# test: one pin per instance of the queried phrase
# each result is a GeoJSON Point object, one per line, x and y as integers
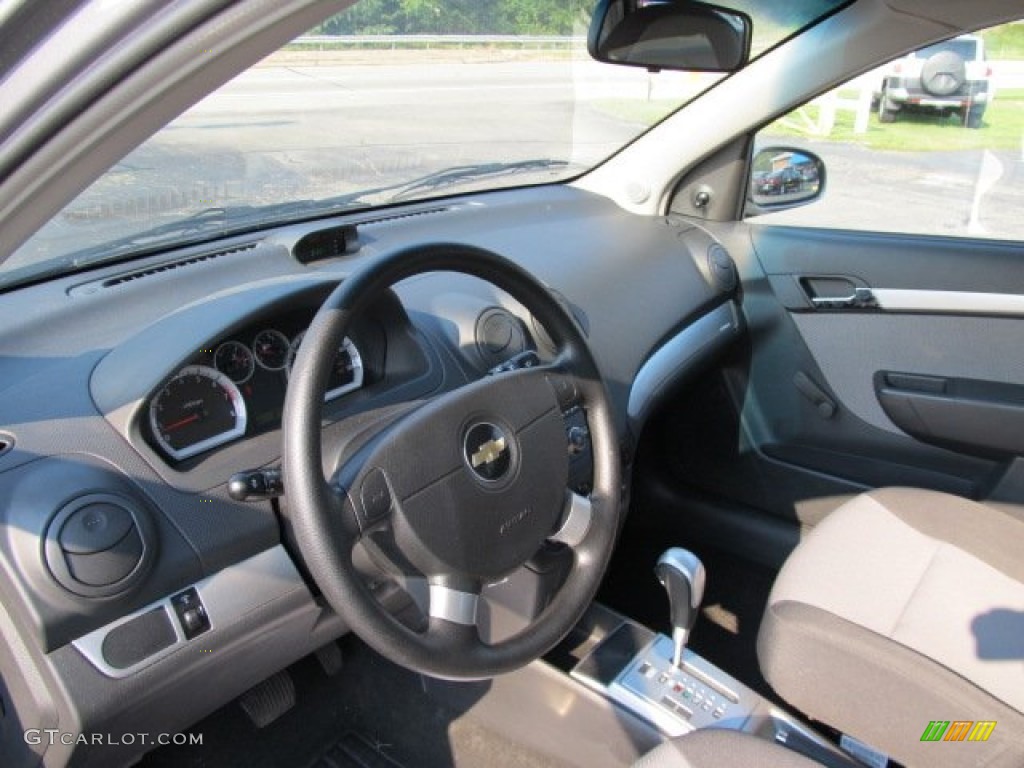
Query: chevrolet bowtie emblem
{"type": "Point", "coordinates": [488, 453]}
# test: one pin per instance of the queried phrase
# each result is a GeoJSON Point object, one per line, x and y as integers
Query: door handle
{"type": "Point", "coordinates": [861, 298]}
{"type": "Point", "coordinates": [838, 292]}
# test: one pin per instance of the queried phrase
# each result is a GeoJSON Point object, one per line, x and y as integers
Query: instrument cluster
{"type": "Point", "coordinates": [236, 388]}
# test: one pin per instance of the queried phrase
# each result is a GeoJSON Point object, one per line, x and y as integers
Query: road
{"type": "Point", "coordinates": [967, 193]}
{"type": "Point", "coordinates": [281, 133]}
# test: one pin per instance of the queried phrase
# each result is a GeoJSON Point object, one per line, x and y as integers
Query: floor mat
{"type": "Point", "coordinates": [354, 751]}
{"type": "Point", "coordinates": [735, 596]}
{"type": "Point", "coordinates": [372, 714]}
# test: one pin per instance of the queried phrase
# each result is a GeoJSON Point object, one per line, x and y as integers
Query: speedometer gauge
{"type": "Point", "coordinates": [198, 409]}
{"type": "Point", "coordinates": [346, 373]}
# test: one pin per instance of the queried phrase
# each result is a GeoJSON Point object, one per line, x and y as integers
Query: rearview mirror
{"type": "Point", "coordinates": [669, 34]}
{"type": "Point", "coordinates": [783, 177]}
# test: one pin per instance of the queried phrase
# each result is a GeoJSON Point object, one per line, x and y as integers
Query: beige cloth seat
{"type": "Point", "coordinates": [901, 608]}
{"type": "Point", "coordinates": [713, 748]}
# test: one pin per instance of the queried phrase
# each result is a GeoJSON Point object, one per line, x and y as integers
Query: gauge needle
{"type": "Point", "coordinates": [181, 422]}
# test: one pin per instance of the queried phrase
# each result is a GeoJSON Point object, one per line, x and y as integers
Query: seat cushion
{"type": "Point", "coordinates": [903, 607]}
{"type": "Point", "coordinates": [714, 748]}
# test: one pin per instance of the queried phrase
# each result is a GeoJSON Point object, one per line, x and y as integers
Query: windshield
{"type": "Point", "coordinates": [389, 101]}
{"type": "Point", "coordinates": [965, 48]}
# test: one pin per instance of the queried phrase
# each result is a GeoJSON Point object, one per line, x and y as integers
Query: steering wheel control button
{"type": "Point", "coordinates": [577, 437]}
{"type": "Point", "coordinates": [94, 528]}
{"type": "Point", "coordinates": [527, 359]}
{"type": "Point", "coordinates": [375, 495]}
{"type": "Point", "coordinates": [191, 613]}
{"type": "Point", "coordinates": [488, 452]}
{"type": "Point", "coordinates": [565, 390]}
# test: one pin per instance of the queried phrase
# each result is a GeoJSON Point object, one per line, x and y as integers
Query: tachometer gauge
{"type": "Point", "coordinates": [347, 373]}
{"type": "Point", "coordinates": [235, 360]}
{"type": "Point", "coordinates": [271, 349]}
{"type": "Point", "coordinates": [198, 409]}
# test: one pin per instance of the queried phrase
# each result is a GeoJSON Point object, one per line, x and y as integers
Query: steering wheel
{"type": "Point", "coordinates": [470, 484]}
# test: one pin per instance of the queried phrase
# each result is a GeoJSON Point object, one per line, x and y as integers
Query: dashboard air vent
{"type": "Point", "coordinates": [722, 269]}
{"type": "Point", "coordinates": [499, 336]}
{"type": "Point", "coordinates": [138, 274]}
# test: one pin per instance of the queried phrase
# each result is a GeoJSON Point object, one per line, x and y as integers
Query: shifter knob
{"type": "Point", "coordinates": [681, 573]}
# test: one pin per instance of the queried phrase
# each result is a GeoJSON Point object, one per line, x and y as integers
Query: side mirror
{"type": "Point", "coordinates": [784, 177]}
{"type": "Point", "coordinates": [669, 34]}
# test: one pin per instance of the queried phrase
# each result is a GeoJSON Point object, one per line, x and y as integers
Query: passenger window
{"type": "Point", "coordinates": [931, 143]}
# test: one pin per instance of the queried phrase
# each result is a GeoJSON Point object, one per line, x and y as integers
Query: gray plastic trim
{"type": "Point", "coordinates": [577, 521]}
{"type": "Point", "coordinates": [227, 595]}
{"type": "Point", "coordinates": [673, 359]}
{"type": "Point", "coordinates": [453, 605]}
{"type": "Point", "coordinates": [949, 302]}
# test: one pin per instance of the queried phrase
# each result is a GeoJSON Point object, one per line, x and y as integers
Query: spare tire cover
{"type": "Point", "coordinates": [943, 74]}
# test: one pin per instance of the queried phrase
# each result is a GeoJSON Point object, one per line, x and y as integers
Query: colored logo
{"type": "Point", "coordinates": [958, 730]}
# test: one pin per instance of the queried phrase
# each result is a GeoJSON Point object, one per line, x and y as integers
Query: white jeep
{"type": "Point", "coordinates": [947, 77]}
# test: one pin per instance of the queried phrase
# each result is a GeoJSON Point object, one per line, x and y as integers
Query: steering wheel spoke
{"type": "Point", "coordinates": [577, 518]}
{"type": "Point", "coordinates": [454, 601]}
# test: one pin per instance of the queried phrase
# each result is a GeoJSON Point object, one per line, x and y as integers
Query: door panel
{"type": "Point", "coordinates": [797, 419]}
{"type": "Point", "coordinates": [942, 309]}
{"type": "Point", "coordinates": [850, 348]}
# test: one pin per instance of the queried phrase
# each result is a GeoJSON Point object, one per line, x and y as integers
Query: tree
{"type": "Point", "coordinates": [459, 17]}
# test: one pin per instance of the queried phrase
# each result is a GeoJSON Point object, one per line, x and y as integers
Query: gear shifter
{"type": "Point", "coordinates": [681, 573]}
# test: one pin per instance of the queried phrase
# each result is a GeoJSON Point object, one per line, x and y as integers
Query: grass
{"type": "Point", "coordinates": [1002, 128]}
{"type": "Point", "coordinates": [1004, 42]}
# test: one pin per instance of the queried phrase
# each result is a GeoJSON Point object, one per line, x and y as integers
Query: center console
{"type": "Point", "coordinates": [661, 682]}
{"type": "Point", "coordinates": [633, 667]}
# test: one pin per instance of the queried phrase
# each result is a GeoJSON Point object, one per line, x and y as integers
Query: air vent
{"type": "Point", "coordinates": [721, 268]}
{"type": "Point", "coordinates": [499, 336]}
{"type": "Point", "coordinates": [167, 266]}
{"type": "Point", "coordinates": [6, 443]}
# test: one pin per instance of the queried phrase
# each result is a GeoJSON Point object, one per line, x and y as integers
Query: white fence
{"type": "Point", "coordinates": [428, 41]}
{"type": "Point", "coordinates": [1005, 74]}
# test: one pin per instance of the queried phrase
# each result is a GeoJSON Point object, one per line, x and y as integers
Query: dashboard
{"type": "Point", "coordinates": [132, 395]}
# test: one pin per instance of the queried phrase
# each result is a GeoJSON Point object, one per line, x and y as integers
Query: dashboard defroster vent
{"type": "Point", "coordinates": [406, 215]}
{"type": "Point", "coordinates": [138, 274]}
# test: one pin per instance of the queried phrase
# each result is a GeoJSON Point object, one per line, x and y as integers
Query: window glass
{"type": "Point", "coordinates": [931, 143]}
{"type": "Point", "coordinates": [387, 102]}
